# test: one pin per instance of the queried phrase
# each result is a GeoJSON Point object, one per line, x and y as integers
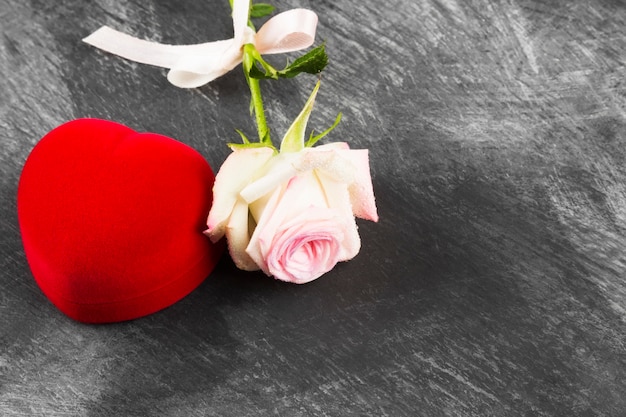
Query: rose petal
{"type": "Point", "coordinates": [361, 190]}
{"type": "Point", "coordinates": [338, 198]}
{"type": "Point", "coordinates": [236, 172]}
{"type": "Point", "coordinates": [238, 237]}
{"type": "Point", "coordinates": [307, 246]}
{"type": "Point", "coordinates": [328, 160]}
{"type": "Point", "coordinates": [266, 226]}
{"type": "Point", "coordinates": [285, 202]}
{"type": "Point", "coordinates": [333, 145]}
{"type": "Point", "coordinates": [350, 166]}
{"type": "Point", "coordinates": [279, 172]}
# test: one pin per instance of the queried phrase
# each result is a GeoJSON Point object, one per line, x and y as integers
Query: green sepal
{"type": "Point", "coordinates": [237, 146]}
{"type": "Point", "coordinates": [293, 141]}
{"type": "Point", "coordinates": [264, 143]}
{"type": "Point", "coordinates": [314, 139]}
{"type": "Point", "coordinates": [244, 138]}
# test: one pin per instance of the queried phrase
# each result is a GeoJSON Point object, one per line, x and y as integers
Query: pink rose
{"type": "Point", "coordinates": [292, 214]}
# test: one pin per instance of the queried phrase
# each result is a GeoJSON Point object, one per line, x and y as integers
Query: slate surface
{"type": "Point", "coordinates": [493, 285]}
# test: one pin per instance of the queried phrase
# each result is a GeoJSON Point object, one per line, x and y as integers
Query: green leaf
{"type": "Point", "coordinates": [294, 138]}
{"type": "Point", "coordinates": [313, 139]}
{"type": "Point", "coordinates": [261, 10]}
{"type": "Point", "coordinates": [313, 62]}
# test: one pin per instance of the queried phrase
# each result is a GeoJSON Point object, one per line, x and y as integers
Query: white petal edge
{"type": "Point", "coordinates": [239, 169]}
{"type": "Point", "coordinates": [238, 237]}
{"type": "Point", "coordinates": [278, 172]}
{"type": "Point", "coordinates": [361, 190]}
{"type": "Point", "coordinates": [349, 166]}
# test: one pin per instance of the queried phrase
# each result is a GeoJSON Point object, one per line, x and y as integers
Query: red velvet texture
{"type": "Point", "coordinates": [112, 220]}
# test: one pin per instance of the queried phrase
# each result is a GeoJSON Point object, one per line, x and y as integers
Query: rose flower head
{"type": "Point", "coordinates": [292, 213]}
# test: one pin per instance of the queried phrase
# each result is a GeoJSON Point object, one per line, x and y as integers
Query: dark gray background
{"type": "Point", "coordinates": [493, 285]}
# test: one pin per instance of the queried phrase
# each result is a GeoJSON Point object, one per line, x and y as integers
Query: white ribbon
{"type": "Point", "coordinates": [195, 65]}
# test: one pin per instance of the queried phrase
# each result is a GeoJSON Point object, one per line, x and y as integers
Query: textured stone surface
{"type": "Point", "coordinates": [494, 284]}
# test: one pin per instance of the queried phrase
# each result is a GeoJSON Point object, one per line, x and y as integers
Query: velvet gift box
{"type": "Point", "coordinates": [112, 220]}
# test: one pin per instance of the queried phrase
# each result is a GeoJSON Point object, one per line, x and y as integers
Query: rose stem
{"type": "Point", "coordinates": [255, 93]}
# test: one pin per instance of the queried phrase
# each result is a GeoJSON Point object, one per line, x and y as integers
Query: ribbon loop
{"type": "Point", "coordinates": [195, 65]}
{"type": "Point", "coordinates": [287, 32]}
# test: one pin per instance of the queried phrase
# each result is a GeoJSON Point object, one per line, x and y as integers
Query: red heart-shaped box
{"type": "Point", "coordinates": [112, 220]}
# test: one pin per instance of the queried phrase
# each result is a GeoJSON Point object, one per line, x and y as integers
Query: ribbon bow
{"type": "Point", "coordinates": [195, 65]}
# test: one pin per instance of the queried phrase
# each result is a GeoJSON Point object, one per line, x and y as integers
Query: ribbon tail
{"type": "Point", "coordinates": [133, 49]}
{"type": "Point", "coordinates": [191, 65]}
